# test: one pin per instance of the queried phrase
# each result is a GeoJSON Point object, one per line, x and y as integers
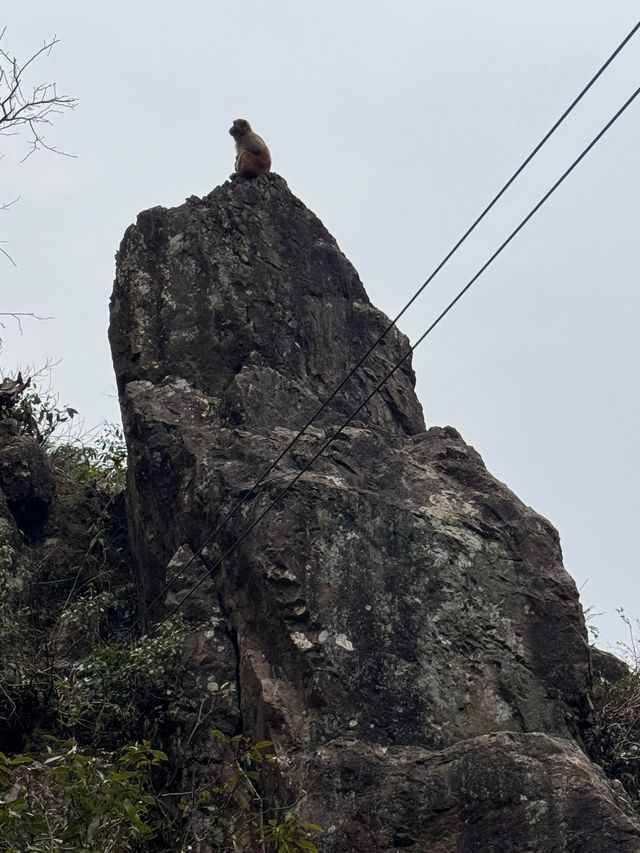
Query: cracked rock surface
{"type": "Point", "coordinates": [400, 624]}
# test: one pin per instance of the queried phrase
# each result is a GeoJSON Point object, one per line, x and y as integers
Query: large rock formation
{"type": "Point", "coordinates": [400, 624]}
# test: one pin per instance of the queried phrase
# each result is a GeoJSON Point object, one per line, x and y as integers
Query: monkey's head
{"type": "Point", "coordinates": [239, 128]}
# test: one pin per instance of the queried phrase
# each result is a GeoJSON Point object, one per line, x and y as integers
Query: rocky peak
{"type": "Point", "coordinates": [246, 296]}
{"type": "Point", "coordinates": [400, 624]}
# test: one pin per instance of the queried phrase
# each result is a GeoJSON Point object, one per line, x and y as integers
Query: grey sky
{"type": "Point", "coordinates": [395, 122]}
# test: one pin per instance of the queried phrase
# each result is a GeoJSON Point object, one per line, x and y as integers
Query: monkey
{"type": "Point", "coordinates": [253, 155]}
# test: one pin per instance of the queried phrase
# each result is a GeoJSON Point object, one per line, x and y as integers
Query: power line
{"type": "Point", "coordinates": [391, 325]}
{"type": "Point", "coordinates": [411, 349]}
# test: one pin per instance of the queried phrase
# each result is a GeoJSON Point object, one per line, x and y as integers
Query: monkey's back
{"type": "Point", "coordinates": [250, 165]}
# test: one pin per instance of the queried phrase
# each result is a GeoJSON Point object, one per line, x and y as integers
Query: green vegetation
{"type": "Point", "coordinates": [70, 800]}
{"type": "Point", "coordinates": [36, 414]}
{"type": "Point", "coordinates": [124, 691]}
{"type": "Point", "coordinates": [614, 734]}
{"type": "Point", "coordinates": [613, 737]}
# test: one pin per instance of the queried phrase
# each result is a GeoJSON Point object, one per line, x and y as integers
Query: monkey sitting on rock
{"type": "Point", "coordinates": [253, 155]}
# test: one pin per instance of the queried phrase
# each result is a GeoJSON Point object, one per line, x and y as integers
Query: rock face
{"type": "Point", "coordinates": [512, 793]}
{"type": "Point", "coordinates": [400, 624]}
{"type": "Point", "coordinates": [26, 482]}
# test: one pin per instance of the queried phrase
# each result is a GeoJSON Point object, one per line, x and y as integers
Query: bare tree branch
{"type": "Point", "coordinates": [18, 315]}
{"type": "Point", "coordinates": [9, 204]}
{"type": "Point", "coordinates": [28, 108]}
{"type": "Point", "coordinates": [6, 254]}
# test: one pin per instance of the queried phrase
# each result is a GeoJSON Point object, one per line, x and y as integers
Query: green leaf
{"type": "Point", "coordinates": [21, 759]}
{"type": "Point", "coordinates": [311, 827]}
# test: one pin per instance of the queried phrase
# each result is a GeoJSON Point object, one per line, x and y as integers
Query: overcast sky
{"type": "Point", "coordinates": [395, 122]}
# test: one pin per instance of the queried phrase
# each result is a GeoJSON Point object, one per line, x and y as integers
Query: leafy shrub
{"type": "Point", "coordinates": [121, 692]}
{"type": "Point", "coordinates": [37, 414]}
{"type": "Point", "coordinates": [230, 813]}
{"type": "Point", "coordinates": [613, 736]}
{"type": "Point", "coordinates": [614, 733]}
{"type": "Point", "coordinates": [96, 578]}
{"type": "Point", "coordinates": [70, 593]}
{"type": "Point", "coordinates": [81, 622]}
{"type": "Point", "coordinates": [101, 461]}
{"type": "Point", "coordinates": [69, 800]}
{"type": "Point", "coordinates": [23, 679]}
{"type": "Point", "coordinates": [291, 834]}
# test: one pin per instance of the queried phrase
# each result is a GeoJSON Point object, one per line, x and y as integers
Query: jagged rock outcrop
{"type": "Point", "coordinates": [400, 623]}
{"type": "Point", "coordinates": [27, 484]}
{"type": "Point", "coordinates": [508, 793]}
{"type": "Point", "coordinates": [607, 666]}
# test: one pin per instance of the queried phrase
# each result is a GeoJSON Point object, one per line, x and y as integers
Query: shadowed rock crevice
{"type": "Point", "coordinates": [403, 626]}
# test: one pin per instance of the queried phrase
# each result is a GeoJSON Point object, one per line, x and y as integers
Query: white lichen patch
{"type": "Point", "coordinates": [6, 530]}
{"type": "Point", "coordinates": [344, 642]}
{"type": "Point", "coordinates": [537, 810]}
{"type": "Point", "coordinates": [278, 574]}
{"type": "Point", "coordinates": [7, 555]}
{"type": "Point", "coordinates": [450, 505]}
{"type": "Point", "coordinates": [176, 244]}
{"type": "Point", "coordinates": [180, 382]}
{"type": "Point", "coordinates": [503, 628]}
{"type": "Point", "coordinates": [447, 511]}
{"type": "Point", "coordinates": [495, 706]}
{"type": "Point", "coordinates": [302, 642]}
{"type": "Point", "coordinates": [142, 282]}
